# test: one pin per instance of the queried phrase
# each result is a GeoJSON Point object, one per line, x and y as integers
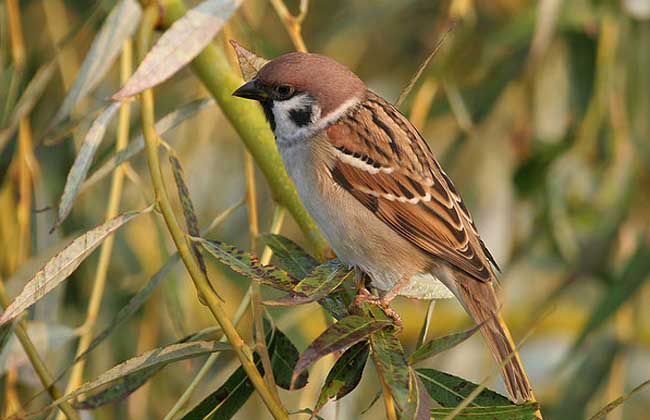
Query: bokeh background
{"type": "Point", "coordinates": [538, 110]}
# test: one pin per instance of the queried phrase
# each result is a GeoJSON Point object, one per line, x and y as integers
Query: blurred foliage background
{"type": "Point", "coordinates": [540, 112]}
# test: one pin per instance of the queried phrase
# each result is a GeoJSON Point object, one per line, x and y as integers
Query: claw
{"type": "Point", "coordinates": [365, 296]}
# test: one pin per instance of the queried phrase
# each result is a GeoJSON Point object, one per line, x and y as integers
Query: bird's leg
{"type": "Point", "coordinates": [364, 296]}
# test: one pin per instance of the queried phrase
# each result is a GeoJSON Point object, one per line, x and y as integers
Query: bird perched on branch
{"type": "Point", "coordinates": [374, 188]}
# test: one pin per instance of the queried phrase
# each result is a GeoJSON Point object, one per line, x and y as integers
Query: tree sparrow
{"type": "Point", "coordinates": [374, 188]}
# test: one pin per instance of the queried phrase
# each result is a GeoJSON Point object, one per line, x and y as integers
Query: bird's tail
{"type": "Point", "coordinates": [481, 303]}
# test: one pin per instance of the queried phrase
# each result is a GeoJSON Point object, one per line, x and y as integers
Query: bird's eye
{"type": "Point", "coordinates": [283, 91]}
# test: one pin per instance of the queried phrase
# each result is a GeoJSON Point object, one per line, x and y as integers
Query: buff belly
{"type": "Point", "coordinates": [357, 237]}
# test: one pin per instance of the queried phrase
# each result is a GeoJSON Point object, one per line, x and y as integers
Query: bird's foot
{"type": "Point", "coordinates": [365, 296]}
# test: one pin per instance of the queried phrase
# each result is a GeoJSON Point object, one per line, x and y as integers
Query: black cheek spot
{"type": "Point", "coordinates": [300, 117]}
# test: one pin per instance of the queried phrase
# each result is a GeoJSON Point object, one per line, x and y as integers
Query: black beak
{"type": "Point", "coordinates": [251, 90]}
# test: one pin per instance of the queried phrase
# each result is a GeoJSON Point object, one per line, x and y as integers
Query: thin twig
{"type": "Point", "coordinates": [204, 289]}
{"type": "Point", "coordinates": [292, 23]}
{"type": "Point", "coordinates": [404, 93]}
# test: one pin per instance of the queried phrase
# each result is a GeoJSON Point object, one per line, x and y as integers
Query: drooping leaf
{"type": "Point", "coordinates": [249, 62]}
{"type": "Point", "coordinates": [27, 100]}
{"type": "Point", "coordinates": [506, 412]}
{"type": "Point", "coordinates": [63, 264]}
{"type": "Point", "coordinates": [119, 389]}
{"type": "Point", "coordinates": [191, 221]}
{"type": "Point", "coordinates": [82, 163]}
{"type": "Point", "coordinates": [233, 394]}
{"type": "Point", "coordinates": [183, 41]}
{"type": "Point", "coordinates": [323, 280]}
{"type": "Point", "coordinates": [388, 355]}
{"type": "Point", "coordinates": [338, 336]}
{"type": "Point", "coordinates": [284, 356]}
{"type": "Point", "coordinates": [290, 256]}
{"type": "Point", "coordinates": [449, 390]}
{"type": "Point", "coordinates": [248, 265]}
{"type": "Point", "coordinates": [440, 344]}
{"type": "Point", "coordinates": [345, 375]}
{"type": "Point", "coordinates": [636, 271]}
{"type": "Point", "coordinates": [164, 124]}
{"type": "Point", "coordinates": [149, 360]}
{"type": "Point", "coordinates": [419, 402]}
{"type": "Point", "coordinates": [117, 28]}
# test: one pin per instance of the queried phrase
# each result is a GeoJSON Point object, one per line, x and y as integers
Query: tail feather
{"type": "Point", "coordinates": [481, 303]}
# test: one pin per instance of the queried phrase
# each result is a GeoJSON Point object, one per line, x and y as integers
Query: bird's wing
{"type": "Point", "coordinates": [382, 160]}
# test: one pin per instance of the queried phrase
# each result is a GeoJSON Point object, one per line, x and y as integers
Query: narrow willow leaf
{"type": "Point", "coordinates": [189, 214]}
{"type": "Point", "coordinates": [440, 344]}
{"type": "Point", "coordinates": [119, 389]}
{"type": "Point", "coordinates": [117, 28]}
{"type": "Point", "coordinates": [249, 62]}
{"type": "Point", "coordinates": [321, 282]}
{"type": "Point", "coordinates": [338, 336]}
{"type": "Point", "coordinates": [506, 412]}
{"type": "Point", "coordinates": [164, 124]}
{"type": "Point", "coordinates": [345, 375]}
{"type": "Point", "coordinates": [388, 355]}
{"type": "Point", "coordinates": [419, 402]}
{"type": "Point", "coordinates": [231, 396]}
{"type": "Point", "coordinates": [153, 358]}
{"type": "Point", "coordinates": [290, 256]}
{"type": "Point", "coordinates": [183, 41]}
{"type": "Point", "coordinates": [602, 413]}
{"type": "Point", "coordinates": [248, 265]}
{"type": "Point", "coordinates": [636, 271]}
{"type": "Point", "coordinates": [449, 390]}
{"type": "Point", "coordinates": [63, 264]}
{"type": "Point", "coordinates": [5, 334]}
{"type": "Point", "coordinates": [284, 356]}
{"type": "Point", "coordinates": [82, 163]}
{"type": "Point", "coordinates": [27, 100]}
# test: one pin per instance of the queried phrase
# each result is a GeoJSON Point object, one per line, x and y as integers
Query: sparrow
{"type": "Point", "coordinates": [374, 188]}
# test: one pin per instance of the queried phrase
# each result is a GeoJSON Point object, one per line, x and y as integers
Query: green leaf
{"type": "Point", "coordinates": [290, 256]}
{"type": "Point", "coordinates": [57, 269]}
{"type": "Point", "coordinates": [233, 394]}
{"type": "Point", "coordinates": [507, 412]}
{"type": "Point", "coordinates": [636, 271]}
{"type": "Point", "coordinates": [248, 265]}
{"type": "Point", "coordinates": [134, 147]}
{"type": "Point", "coordinates": [338, 336]}
{"type": "Point", "coordinates": [5, 334]}
{"type": "Point", "coordinates": [345, 375]}
{"type": "Point", "coordinates": [321, 282]}
{"type": "Point", "coordinates": [449, 390]}
{"type": "Point", "coordinates": [419, 402]}
{"type": "Point", "coordinates": [183, 41]}
{"type": "Point", "coordinates": [82, 162]}
{"type": "Point", "coordinates": [117, 28]}
{"type": "Point", "coordinates": [440, 344]}
{"type": "Point", "coordinates": [388, 355]}
{"type": "Point", "coordinates": [191, 221]}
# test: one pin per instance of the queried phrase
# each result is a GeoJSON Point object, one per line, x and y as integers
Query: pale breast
{"type": "Point", "coordinates": [357, 237]}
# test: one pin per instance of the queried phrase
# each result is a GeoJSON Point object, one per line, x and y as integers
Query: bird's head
{"type": "Point", "coordinates": [303, 93]}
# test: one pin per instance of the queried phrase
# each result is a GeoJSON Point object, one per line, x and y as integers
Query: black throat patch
{"type": "Point", "coordinates": [301, 117]}
{"type": "Point", "coordinates": [267, 106]}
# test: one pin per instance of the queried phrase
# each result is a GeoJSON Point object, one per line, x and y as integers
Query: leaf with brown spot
{"type": "Point", "coordinates": [183, 41]}
{"type": "Point", "coordinates": [248, 265]}
{"type": "Point", "coordinates": [338, 336]}
{"type": "Point", "coordinates": [388, 355]}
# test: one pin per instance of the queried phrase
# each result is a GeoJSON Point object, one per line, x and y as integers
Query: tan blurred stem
{"type": "Point", "coordinates": [117, 183]}
{"type": "Point", "coordinates": [624, 322]}
{"type": "Point", "coordinates": [206, 294]}
{"type": "Point", "coordinates": [58, 26]}
{"type": "Point", "coordinates": [37, 363]}
{"type": "Point", "coordinates": [257, 310]}
{"type": "Point", "coordinates": [292, 23]}
{"type": "Point", "coordinates": [422, 103]}
{"type": "Point", "coordinates": [213, 69]}
{"type": "Point", "coordinates": [276, 226]}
